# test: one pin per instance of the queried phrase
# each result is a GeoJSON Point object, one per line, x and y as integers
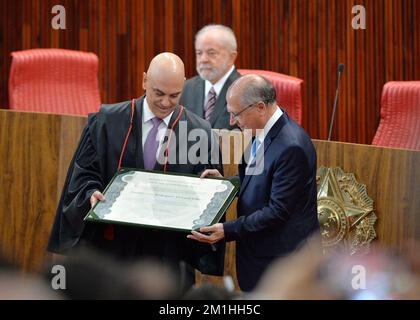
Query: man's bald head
{"type": "Point", "coordinates": [251, 101]}
{"type": "Point", "coordinates": [166, 64]}
{"type": "Point", "coordinates": [163, 83]}
{"type": "Point", "coordinates": [252, 88]}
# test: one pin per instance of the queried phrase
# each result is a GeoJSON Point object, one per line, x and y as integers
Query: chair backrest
{"type": "Point", "coordinates": [288, 89]}
{"type": "Point", "coordinates": [399, 126]}
{"type": "Point", "coordinates": [55, 81]}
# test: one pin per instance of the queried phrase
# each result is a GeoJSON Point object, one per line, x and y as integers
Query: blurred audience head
{"type": "Point", "coordinates": [93, 275]}
{"type": "Point", "coordinates": [209, 291]}
{"type": "Point", "coordinates": [16, 285]}
{"type": "Point", "coordinates": [310, 274]}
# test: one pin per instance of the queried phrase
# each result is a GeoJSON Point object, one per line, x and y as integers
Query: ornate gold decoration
{"type": "Point", "coordinates": [345, 212]}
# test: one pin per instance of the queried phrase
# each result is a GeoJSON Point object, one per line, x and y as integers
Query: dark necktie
{"type": "Point", "coordinates": [211, 102]}
{"type": "Point", "coordinates": [151, 145]}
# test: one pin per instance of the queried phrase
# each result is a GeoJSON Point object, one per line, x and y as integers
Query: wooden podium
{"type": "Point", "coordinates": [36, 150]}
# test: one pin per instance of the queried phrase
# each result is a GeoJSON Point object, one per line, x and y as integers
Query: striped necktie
{"type": "Point", "coordinates": [211, 102]}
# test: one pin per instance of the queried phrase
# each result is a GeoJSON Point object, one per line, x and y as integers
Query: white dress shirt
{"type": "Point", "coordinates": [147, 124]}
{"type": "Point", "coordinates": [261, 134]}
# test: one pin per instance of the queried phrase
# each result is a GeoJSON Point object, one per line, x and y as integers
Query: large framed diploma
{"type": "Point", "coordinates": [163, 200]}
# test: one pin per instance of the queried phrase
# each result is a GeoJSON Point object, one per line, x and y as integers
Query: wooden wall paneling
{"type": "Point", "coordinates": [370, 62]}
{"type": "Point", "coordinates": [341, 117]}
{"type": "Point", "coordinates": [139, 34]}
{"type": "Point", "coordinates": [216, 9]}
{"type": "Point", "coordinates": [332, 65]}
{"type": "Point", "coordinates": [169, 25]}
{"type": "Point", "coordinates": [36, 150]}
{"type": "Point", "coordinates": [35, 35]}
{"type": "Point", "coordinates": [226, 13]}
{"type": "Point", "coordinates": [303, 59]}
{"type": "Point", "coordinates": [322, 81]}
{"type": "Point", "coordinates": [26, 30]}
{"type": "Point", "coordinates": [158, 35]}
{"type": "Point", "coordinates": [293, 39]}
{"type": "Point", "coordinates": [148, 21]}
{"type": "Point", "coordinates": [122, 55]}
{"type": "Point", "coordinates": [54, 38]}
{"type": "Point", "coordinates": [312, 80]}
{"type": "Point", "coordinates": [389, 40]}
{"type": "Point", "coordinates": [265, 34]}
{"type": "Point", "coordinates": [392, 180]}
{"type": "Point", "coordinates": [352, 71]}
{"type": "Point", "coordinates": [408, 41]}
{"type": "Point", "coordinates": [361, 112]}
{"type": "Point", "coordinates": [380, 61]}
{"type": "Point", "coordinates": [303, 38]}
{"type": "Point", "coordinates": [112, 22]}
{"type": "Point", "coordinates": [416, 30]}
{"type": "Point", "coordinates": [83, 18]}
{"type": "Point", "coordinates": [92, 26]}
{"type": "Point", "coordinates": [236, 27]}
{"type": "Point", "coordinates": [397, 28]}
{"type": "Point", "coordinates": [4, 46]}
{"type": "Point", "coordinates": [245, 39]}
{"type": "Point", "coordinates": [103, 53]}
{"type": "Point", "coordinates": [284, 37]}
{"type": "Point", "coordinates": [274, 33]}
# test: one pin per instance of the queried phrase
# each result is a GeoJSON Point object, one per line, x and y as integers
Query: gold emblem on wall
{"type": "Point", "coordinates": [345, 212]}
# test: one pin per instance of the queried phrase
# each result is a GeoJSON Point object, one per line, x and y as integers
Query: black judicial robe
{"type": "Point", "coordinates": [95, 163]}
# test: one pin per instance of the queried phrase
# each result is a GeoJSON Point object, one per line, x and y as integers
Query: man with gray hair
{"type": "Point", "coordinates": [205, 94]}
{"type": "Point", "coordinates": [277, 207]}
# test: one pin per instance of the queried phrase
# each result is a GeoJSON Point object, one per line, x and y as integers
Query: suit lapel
{"type": "Point", "coordinates": [257, 165]}
{"type": "Point", "coordinates": [138, 128]}
{"type": "Point", "coordinates": [198, 104]}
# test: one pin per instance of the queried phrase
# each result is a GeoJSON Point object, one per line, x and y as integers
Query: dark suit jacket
{"type": "Point", "coordinates": [193, 99]}
{"type": "Point", "coordinates": [278, 208]}
{"type": "Point", "coordinates": [93, 166]}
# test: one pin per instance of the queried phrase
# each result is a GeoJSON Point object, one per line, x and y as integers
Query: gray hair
{"type": "Point", "coordinates": [228, 36]}
{"type": "Point", "coordinates": [259, 89]}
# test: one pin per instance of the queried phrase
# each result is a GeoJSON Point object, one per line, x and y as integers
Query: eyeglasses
{"type": "Point", "coordinates": [235, 115]}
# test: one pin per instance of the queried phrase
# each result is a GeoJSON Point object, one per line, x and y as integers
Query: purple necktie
{"type": "Point", "coordinates": [211, 102]}
{"type": "Point", "coordinates": [151, 145]}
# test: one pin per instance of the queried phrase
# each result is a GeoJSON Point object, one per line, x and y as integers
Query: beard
{"type": "Point", "coordinates": [210, 73]}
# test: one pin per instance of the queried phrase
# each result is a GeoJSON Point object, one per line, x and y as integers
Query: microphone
{"type": "Point", "coordinates": [340, 71]}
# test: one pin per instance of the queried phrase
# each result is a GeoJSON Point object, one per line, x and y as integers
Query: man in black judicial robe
{"type": "Point", "coordinates": [96, 161]}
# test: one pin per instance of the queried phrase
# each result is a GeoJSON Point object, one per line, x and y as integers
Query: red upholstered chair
{"type": "Point", "coordinates": [399, 126]}
{"type": "Point", "coordinates": [288, 89]}
{"type": "Point", "coordinates": [54, 81]}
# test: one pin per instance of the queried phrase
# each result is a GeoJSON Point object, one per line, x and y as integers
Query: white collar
{"type": "Point", "coordinates": [218, 86]}
{"type": "Point", "coordinates": [270, 123]}
{"type": "Point", "coordinates": [148, 114]}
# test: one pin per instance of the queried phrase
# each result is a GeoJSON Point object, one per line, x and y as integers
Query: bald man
{"type": "Point", "coordinates": [205, 94]}
{"type": "Point", "coordinates": [100, 153]}
{"type": "Point", "coordinates": [277, 207]}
